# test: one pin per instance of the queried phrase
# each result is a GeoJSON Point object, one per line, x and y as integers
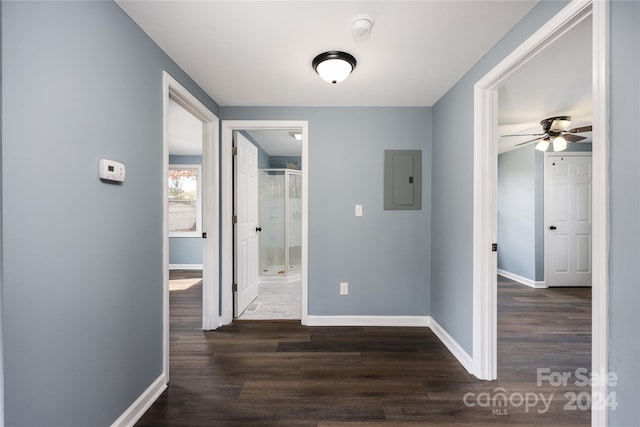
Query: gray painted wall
{"type": "Point", "coordinates": [384, 255]}
{"type": "Point", "coordinates": [624, 199]}
{"type": "Point", "coordinates": [185, 250]}
{"type": "Point", "coordinates": [517, 212]}
{"type": "Point", "coordinates": [452, 185]}
{"type": "Point", "coordinates": [82, 273]}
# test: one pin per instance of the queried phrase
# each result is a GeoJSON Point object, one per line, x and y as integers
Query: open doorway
{"type": "Point", "coordinates": [280, 246]}
{"type": "Point", "coordinates": [544, 217]}
{"type": "Point", "coordinates": [186, 245]}
{"type": "Point", "coordinates": [190, 194]}
{"type": "Point", "coordinates": [526, 205]}
{"type": "Point", "coordinates": [485, 166]}
{"type": "Point", "coordinates": [269, 192]}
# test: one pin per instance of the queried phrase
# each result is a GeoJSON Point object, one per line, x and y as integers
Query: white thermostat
{"type": "Point", "coordinates": [111, 170]}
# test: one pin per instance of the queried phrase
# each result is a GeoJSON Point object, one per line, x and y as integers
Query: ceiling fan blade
{"type": "Point", "coordinates": [532, 140]}
{"type": "Point", "coordinates": [573, 138]}
{"type": "Point", "coordinates": [526, 134]}
{"type": "Point", "coordinates": [580, 129]}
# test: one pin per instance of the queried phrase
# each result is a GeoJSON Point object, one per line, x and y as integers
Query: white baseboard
{"type": "Point", "coordinates": [142, 403]}
{"type": "Point", "coordinates": [523, 280]}
{"type": "Point", "coordinates": [458, 352]}
{"type": "Point", "coordinates": [185, 266]}
{"type": "Point", "coordinates": [422, 321]}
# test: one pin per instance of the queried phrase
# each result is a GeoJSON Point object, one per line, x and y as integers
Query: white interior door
{"type": "Point", "coordinates": [568, 219]}
{"type": "Point", "coordinates": [246, 226]}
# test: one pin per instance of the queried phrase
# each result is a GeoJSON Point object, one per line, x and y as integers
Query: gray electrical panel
{"type": "Point", "coordinates": [402, 179]}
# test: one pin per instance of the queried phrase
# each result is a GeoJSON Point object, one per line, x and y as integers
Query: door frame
{"type": "Point", "coordinates": [210, 222]}
{"type": "Point", "coordinates": [486, 135]}
{"type": "Point", "coordinates": [547, 251]}
{"type": "Point", "coordinates": [227, 129]}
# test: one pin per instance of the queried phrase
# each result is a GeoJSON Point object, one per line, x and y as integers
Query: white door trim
{"type": "Point", "coordinates": [485, 178]}
{"type": "Point", "coordinates": [210, 223]}
{"type": "Point", "coordinates": [228, 126]}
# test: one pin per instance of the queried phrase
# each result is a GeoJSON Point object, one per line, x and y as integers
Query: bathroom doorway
{"type": "Point", "coordinates": [280, 256]}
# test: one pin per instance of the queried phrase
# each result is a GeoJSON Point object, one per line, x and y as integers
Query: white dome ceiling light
{"type": "Point", "coordinates": [334, 66]}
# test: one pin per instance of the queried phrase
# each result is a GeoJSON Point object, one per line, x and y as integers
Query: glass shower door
{"type": "Point", "coordinates": [272, 221]}
{"type": "Point", "coordinates": [294, 216]}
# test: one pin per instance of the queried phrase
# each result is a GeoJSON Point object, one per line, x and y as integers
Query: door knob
{"type": "Point", "coordinates": [552, 227]}
{"type": "Point", "coordinates": [258, 228]}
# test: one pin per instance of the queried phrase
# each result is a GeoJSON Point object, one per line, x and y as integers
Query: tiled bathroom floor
{"type": "Point", "coordinates": [276, 301]}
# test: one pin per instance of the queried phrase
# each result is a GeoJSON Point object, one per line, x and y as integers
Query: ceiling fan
{"type": "Point", "coordinates": [556, 132]}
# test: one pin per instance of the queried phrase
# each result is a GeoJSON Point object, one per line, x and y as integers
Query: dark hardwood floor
{"type": "Point", "coordinates": [281, 373]}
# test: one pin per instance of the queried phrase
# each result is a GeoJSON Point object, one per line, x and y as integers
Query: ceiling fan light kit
{"type": "Point", "coordinates": [556, 124]}
{"type": "Point", "coordinates": [556, 131]}
{"type": "Point", "coordinates": [559, 143]}
{"type": "Point", "coordinates": [542, 145]}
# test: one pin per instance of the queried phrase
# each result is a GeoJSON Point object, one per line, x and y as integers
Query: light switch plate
{"type": "Point", "coordinates": [344, 288]}
{"type": "Point", "coordinates": [358, 210]}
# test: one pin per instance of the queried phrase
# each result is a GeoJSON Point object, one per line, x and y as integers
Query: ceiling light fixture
{"type": "Point", "coordinates": [334, 66]}
{"type": "Point", "coordinates": [296, 135]}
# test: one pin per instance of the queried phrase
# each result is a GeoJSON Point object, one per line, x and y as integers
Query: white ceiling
{"type": "Point", "coordinates": [277, 142]}
{"type": "Point", "coordinates": [556, 83]}
{"type": "Point", "coordinates": [185, 131]}
{"type": "Point", "coordinates": [258, 53]}
{"type": "Point", "coordinates": [252, 53]}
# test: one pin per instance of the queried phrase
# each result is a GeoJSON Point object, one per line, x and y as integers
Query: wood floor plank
{"type": "Point", "coordinates": [284, 374]}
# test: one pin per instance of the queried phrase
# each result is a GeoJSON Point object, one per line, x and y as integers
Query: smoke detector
{"type": "Point", "coordinates": [361, 26]}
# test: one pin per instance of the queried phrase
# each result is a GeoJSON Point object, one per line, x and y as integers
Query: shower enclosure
{"type": "Point", "coordinates": [281, 223]}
